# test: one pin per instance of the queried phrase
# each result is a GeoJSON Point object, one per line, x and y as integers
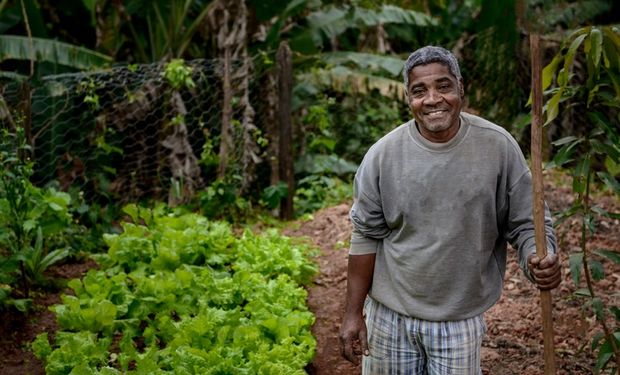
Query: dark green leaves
{"type": "Point", "coordinates": [575, 262]}
{"type": "Point", "coordinates": [565, 154]}
{"type": "Point", "coordinates": [13, 47]}
{"type": "Point", "coordinates": [614, 256]}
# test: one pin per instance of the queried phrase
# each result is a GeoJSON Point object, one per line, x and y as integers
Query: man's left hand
{"type": "Point", "coordinates": [546, 272]}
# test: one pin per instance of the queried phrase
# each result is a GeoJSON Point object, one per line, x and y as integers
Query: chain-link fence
{"type": "Point", "coordinates": [131, 132]}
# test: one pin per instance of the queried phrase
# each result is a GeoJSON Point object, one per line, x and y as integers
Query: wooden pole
{"type": "Point", "coordinates": [538, 196]}
{"type": "Point", "coordinates": [226, 143]}
{"type": "Point", "coordinates": [285, 154]}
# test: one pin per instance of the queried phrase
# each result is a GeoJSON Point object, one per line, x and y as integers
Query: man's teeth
{"type": "Point", "coordinates": [435, 112]}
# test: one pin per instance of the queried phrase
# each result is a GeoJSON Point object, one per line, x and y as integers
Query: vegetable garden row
{"type": "Point", "coordinates": [177, 293]}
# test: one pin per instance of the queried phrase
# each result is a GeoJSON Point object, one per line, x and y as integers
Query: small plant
{"type": "Point", "coordinates": [31, 216]}
{"type": "Point", "coordinates": [179, 75]}
{"type": "Point", "coordinates": [319, 191]}
{"type": "Point", "coordinates": [221, 200]}
{"type": "Point", "coordinates": [594, 155]}
{"type": "Point", "coordinates": [273, 195]}
{"type": "Point", "coordinates": [91, 98]}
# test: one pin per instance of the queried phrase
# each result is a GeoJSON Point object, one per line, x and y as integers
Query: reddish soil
{"type": "Point", "coordinates": [513, 344]}
{"type": "Point", "coordinates": [18, 330]}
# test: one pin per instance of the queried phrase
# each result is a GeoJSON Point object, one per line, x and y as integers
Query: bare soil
{"type": "Point", "coordinates": [513, 344]}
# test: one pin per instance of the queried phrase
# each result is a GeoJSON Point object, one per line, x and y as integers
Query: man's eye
{"type": "Point", "coordinates": [417, 92]}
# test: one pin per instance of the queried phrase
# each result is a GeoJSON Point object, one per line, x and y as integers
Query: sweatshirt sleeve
{"type": "Point", "coordinates": [520, 231]}
{"type": "Point", "coordinates": [369, 225]}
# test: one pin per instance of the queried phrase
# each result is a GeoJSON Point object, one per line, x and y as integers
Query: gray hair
{"type": "Point", "coordinates": [431, 54]}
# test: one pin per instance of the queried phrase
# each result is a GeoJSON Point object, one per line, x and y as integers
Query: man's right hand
{"type": "Point", "coordinates": [353, 338]}
{"type": "Point", "coordinates": [353, 331]}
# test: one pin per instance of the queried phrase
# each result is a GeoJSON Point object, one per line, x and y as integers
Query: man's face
{"type": "Point", "coordinates": [435, 98]}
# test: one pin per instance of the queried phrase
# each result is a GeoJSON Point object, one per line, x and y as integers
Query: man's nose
{"type": "Point", "coordinates": [432, 97]}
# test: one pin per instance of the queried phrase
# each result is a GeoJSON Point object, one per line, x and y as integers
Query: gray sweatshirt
{"type": "Point", "coordinates": [439, 215]}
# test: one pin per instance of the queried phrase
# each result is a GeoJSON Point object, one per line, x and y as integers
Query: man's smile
{"type": "Point", "coordinates": [436, 113]}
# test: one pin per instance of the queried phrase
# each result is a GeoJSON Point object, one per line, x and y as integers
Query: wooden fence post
{"type": "Point", "coordinates": [285, 154]}
{"type": "Point", "coordinates": [226, 143]}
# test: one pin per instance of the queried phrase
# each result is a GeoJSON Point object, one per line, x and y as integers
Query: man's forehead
{"type": "Point", "coordinates": [431, 68]}
{"type": "Point", "coordinates": [435, 72]}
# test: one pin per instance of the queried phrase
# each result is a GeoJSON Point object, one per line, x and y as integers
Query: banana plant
{"type": "Point", "coordinates": [38, 46]}
{"type": "Point", "coordinates": [16, 47]}
{"type": "Point", "coordinates": [355, 69]}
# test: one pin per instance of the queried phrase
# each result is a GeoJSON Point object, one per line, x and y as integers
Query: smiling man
{"type": "Point", "coordinates": [436, 202]}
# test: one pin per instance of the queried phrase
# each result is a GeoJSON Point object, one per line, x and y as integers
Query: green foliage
{"type": "Point", "coordinates": [35, 260]}
{"type": "Point", "coordinates": [178, 74]}
{"type": "Point", "coordinates": [317, 191]}
{"type": "Point", "coordinates": [338, 131]}
{"type": "Point", "coordinates": [31, 215]}
{"type": "Point", "coordinates": [549, 15]}
{"type": "Point", "coordinates": [182, 294]}
{"type": "Point", "coordinates": [592, 154]}
{"type": "Point", "coordinates": [221, 200]}
{"type": "Point", "coordinates": [80, 352]}
{"type": "Point", "coordinates": [332, 21]}
{"type": "Point", "coordinates": [273, 195]}
{"type": "Point", "coordinates": [15, 47]}
{"type": "Point", "coordinates": [155, 30]}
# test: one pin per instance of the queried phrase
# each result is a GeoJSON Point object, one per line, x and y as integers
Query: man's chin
{"type": "Point", "coordinates": [436, 127]}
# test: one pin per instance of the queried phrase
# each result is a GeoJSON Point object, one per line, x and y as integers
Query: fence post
{"type": "Point", "coordinates": [225, 137]}
{"type": "Point", "coordinates": [285, 154]}
{"type": "Point", "coordinates": [25, 107]}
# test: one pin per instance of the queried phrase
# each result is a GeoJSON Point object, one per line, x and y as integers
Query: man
{"type": "Point", "coordinates": [436, 201]}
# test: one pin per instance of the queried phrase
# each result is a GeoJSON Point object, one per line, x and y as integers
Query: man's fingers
{"type": "Point", "coordinates": [364, 343]}
{"type": "Point", "coordinates": [349, 354]}
{"type": "Point", "coordinates": [551, 260]}
{"type": "Point", "coordinates": [346, 349]}
{"type": "Point", "coordinates": [548, 283]}
{"type": "Point", "coordinates": [547, 273]}
{"type": "Point", "coordinates": [542, 273]}
{"type": "Point", "coordinates": [549, 286]}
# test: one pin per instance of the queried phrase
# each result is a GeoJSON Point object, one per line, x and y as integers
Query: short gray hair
{"type": "Point", "coordinates": [431, 54]}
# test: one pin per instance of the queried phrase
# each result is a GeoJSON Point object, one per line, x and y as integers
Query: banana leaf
{"type": "Point", "coordinates": [14, 47]}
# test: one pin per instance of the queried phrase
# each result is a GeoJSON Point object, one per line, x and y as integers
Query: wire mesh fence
{"type": "Point", "coordinates": [129, 132]}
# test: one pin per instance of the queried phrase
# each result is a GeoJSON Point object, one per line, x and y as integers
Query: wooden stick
{"type": "Point", "coordinates": [539, 204]}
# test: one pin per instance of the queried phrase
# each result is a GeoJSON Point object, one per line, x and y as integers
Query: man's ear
{"type": "Point", "coordinates": [462, 88]}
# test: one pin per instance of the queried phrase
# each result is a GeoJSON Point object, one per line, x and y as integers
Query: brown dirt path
{"type": "Point", "coordinates": [329, 230]}
{"type": "Point", "coordinates": [513, 344]}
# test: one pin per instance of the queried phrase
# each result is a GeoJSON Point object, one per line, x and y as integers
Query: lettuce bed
{"type": "Point", "coordinates": [183, 295]}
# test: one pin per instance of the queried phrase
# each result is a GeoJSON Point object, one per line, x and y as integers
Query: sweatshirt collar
{"type": "Point", "coordinates": [439, 147]}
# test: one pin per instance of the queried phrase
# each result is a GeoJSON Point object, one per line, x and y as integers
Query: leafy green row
{"type": "Point", "coordinates": [183, 295]}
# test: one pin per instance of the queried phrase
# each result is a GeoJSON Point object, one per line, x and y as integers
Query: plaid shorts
{"type": "Point", "coordinates": [403, 345]}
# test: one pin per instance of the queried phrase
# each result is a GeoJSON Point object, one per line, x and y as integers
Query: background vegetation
{"type": "Point", "coordinates": [347, 58]}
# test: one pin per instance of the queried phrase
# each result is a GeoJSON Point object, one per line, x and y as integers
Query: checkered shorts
{"type": "Point", "coordinates": [403, 345]}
